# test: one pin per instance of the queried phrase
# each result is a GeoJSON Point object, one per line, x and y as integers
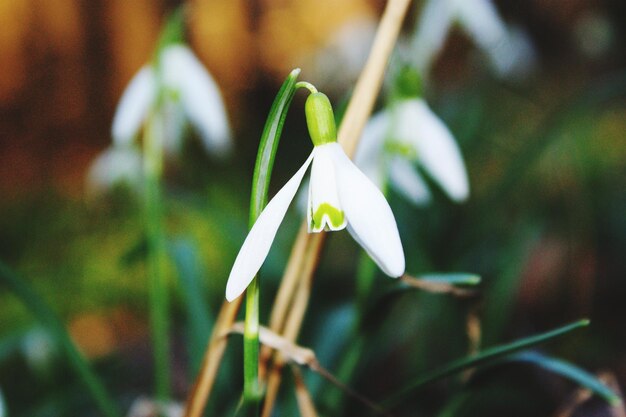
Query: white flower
{"type": "Point", "coordinates": [340, 196]}
{"type": "Point", "coordinates": [187, 90]}
{"type": "Point", "coordinates": [408, 133]}
{"type": "Point", "coordinates": [507, 48]}
{"type": "Point", "coordinates": [116, 165]}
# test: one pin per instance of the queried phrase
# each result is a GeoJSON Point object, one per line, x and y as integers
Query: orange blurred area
{"type": "Point", "coordinates": [65, 63]}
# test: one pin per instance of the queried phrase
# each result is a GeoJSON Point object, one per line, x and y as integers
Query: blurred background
{"type": "Point", "coordinates": [544, 226]}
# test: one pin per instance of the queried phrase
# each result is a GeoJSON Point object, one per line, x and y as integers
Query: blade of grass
{"type": "Point", "coordinates": [252, 392]}
{"type": "Point", "coordinates": [572, 372]}
{"type": "Point", "coordinates": [187, 263]}
{"type": "Point", "coordinates": [454, 278]}
{"type": "Point", "coordinates": [485, 357]}
{"type": "Point", "coordinates": [260, 186]}
{"type": "Point", "coordinates": [48, 318]}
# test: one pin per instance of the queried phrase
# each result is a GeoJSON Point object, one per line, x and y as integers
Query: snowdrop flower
{"type": "Point", "coordinates": [184, 90]}
{"type": "Point", "coordinates": [508, 48]}
{"type": "Point", "coordinates": [172, 91]}
{"type": "Point", "coordinates": [408, 133]}
{"type": "Point", "coordinates": [116, 165]}
{"type": "Point", "coordinates": [340, 196]}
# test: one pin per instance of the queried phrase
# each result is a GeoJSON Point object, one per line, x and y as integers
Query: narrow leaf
{"type": "Point", "coordinates": [189, 269]}
{"type": "Point", "coordinates": [572, 372]}
{"type": "Point", "coordinates": [48, 318]}
{"type": "Point", "coordinates": [485, 357]}
{"type": "Point", "coordinates": [269, 144]}
{"type": "Point", "coordinates": [455, 278]}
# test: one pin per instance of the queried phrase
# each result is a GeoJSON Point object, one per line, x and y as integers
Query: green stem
{"type": "Point", "coordinates": [251, 388]}
{"type": "Point", "coordinates": [53, 324]}
{"type": "Point", "coordinates": [252, 392]}
{"type": "Point", "coordinates": [156, 256]}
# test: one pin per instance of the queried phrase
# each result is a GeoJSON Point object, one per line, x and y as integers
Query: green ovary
{"type": "Point", "coordinates": [335, 216]}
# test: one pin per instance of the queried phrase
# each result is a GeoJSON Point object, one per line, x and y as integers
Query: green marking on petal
{"type": "Point", "coordinates": [395, 147]}
{"type": "Point", "coordinates": [335, 217]}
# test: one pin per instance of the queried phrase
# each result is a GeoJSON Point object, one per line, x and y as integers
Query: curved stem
{"type": "Point", "coordinates": [307, 85]}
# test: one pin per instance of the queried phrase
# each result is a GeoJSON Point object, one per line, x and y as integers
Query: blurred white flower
{"type": "Point", "coordinates": [145, 407]}
{"type": "Point", "coordinates": [340, 196]}
{"type": "Point", "coordinates": [39, 350]}
{"type": "Point", "coordinates": [180, 90]}
{"type": "Point", "coordinates": [410, 133]}
{"type": "Point", "coordinates": [339, 62]}
{"type": "Point", "coordinates": [186, 91]}
{"type": "Point", "coordinates": [118, 164]}
{"type": "Point", "coordinates": [508, 48]}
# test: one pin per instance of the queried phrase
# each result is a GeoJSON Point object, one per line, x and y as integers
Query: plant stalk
{"type": "Point", "coordinates": [303, 261]}
{"type": "Point", "coordinates": [156, 256]}
{"type": "Point", "coordinates": [251, 388]}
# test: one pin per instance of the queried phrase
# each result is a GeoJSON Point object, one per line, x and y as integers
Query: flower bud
{"type": "Point", "coordinates": [320, 119]}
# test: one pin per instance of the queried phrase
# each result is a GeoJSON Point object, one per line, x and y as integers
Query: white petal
{"type": "Point", "coordinates": [134, 106]}
{"type": "Point", "coordinates": [432, 30]}
{"type": "Point", "coordinates": [200, 97]}
{"type": "Point", "coordinates": [437, 150]}
{"type": "Point", "coordinates": [257, 245]}
{"type": "Point", "coordinates": [514, 57]}
{"type": "Point", "coordinates": [117, 164]}
{"type": "Point", "coordinates": [405, 179]}
{"type": "Point", "coordinates": [323, 191]}
{"type": "Point", "coordinates": [482, 22]}
{"type": "Point", "coordinates": [370, 219]}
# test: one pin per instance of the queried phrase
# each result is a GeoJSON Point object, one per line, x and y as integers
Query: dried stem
{"type": "Point", "coordinates": [199, 395]}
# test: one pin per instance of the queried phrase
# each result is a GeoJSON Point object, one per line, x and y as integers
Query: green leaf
{"type": "Point", "coordinates": [572, 372]}
{"type": "Point", "coordinates": [258, 200]}
{"type": "Point", "coordinates": [486, 357]}
{"type": "Point", "coordinates": [457, 278]}
{"type": "Point", "coordinates": [269, 144]}
{"type": "Point", "coordinates": [188, 266]}
{"type": "Point", "coordinates": [48, 318]}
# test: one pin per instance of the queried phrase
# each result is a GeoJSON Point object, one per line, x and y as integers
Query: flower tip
{"type": "Point", "coordinates": [396, 268]}
{"type": "Point", "coordinates": [232, 292]}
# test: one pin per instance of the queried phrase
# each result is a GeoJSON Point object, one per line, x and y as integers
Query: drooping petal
{"type": "Point", "coordinates": [134, 106]}
{"type": "Point", "coordinates": [324, 210]}
{"type": "Point", "coordinates": [432, 30]}
{"type": "Point", "coordinates": [115, 165]}
{"type": "Point", "coordinates": [436, 148]}
{"type": "Point", "coordinates": [405, 179]}
{"type": "Point", "coordinates": [509, 50]}
{"type": "Point", "coordinates": [514, 57]}
{"type": "Point", "coordinates": [257, 245]}
{"type": "Point", "coordinates": [482, 22]}
{"type": "Point", "coordinates": [199, 96]}
{"type": "Point", "coordinates": [370, 219]}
